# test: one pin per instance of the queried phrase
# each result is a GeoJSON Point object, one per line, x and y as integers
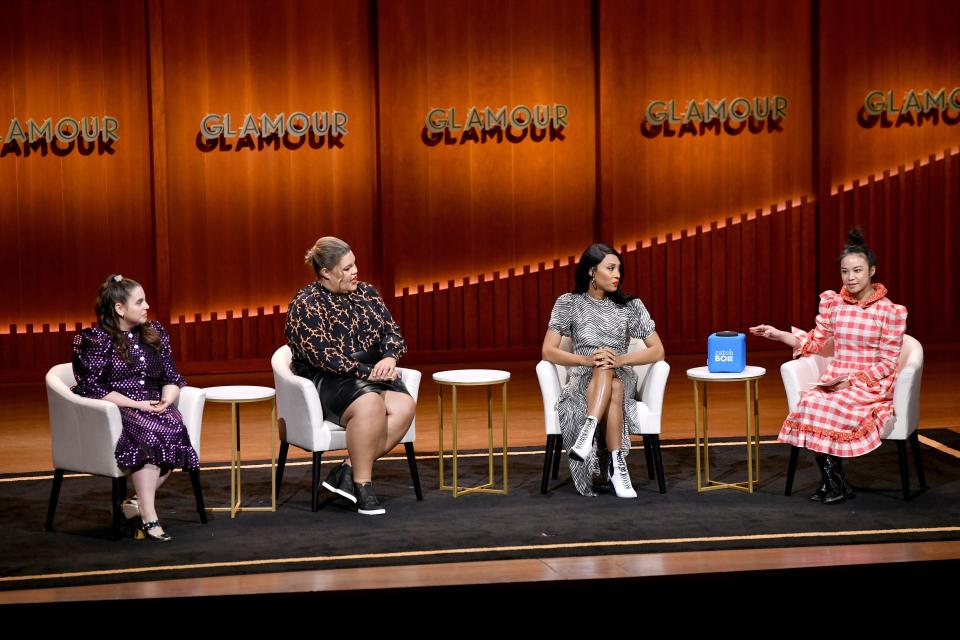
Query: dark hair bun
{"type": "Point", "coordinates": [855, 237]}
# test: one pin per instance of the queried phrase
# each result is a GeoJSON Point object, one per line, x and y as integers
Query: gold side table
{"type": "Point", "coordinates": [235, 395]}
{"type": "Point", "coordinates": [750, 376]}
{"type": "Point", "coordinates": [472, 378]}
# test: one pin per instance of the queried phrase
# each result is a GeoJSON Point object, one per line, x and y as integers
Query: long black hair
{"type": "Point", "coordinates": [593, 256]}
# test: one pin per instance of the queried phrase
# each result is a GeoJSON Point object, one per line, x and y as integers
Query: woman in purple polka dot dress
{"type": "Point", "coordinates": [126, 360]}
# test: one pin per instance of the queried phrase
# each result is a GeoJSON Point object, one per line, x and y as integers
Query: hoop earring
{"type": "Point", "coordinates": [593, 283]}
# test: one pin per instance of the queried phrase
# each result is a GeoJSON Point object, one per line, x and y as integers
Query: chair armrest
{"type": "Point", "coordinates": [190, 403]}
{"type": "Point", "coordinates": [906, 401]}
{"type": "Point", "coordinates": [411, 379]}
{"type": "Point", "coordinates": [84, 433]}
{"type": "Point", "coordinates": [650, 389]}
{"type": "Point", "coordinates": [797, 377]}
{"type": "Point", "coordinates": [550, 391]}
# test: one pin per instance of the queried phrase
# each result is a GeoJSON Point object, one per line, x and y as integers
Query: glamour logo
{"type": "Point", "coordinates": [298, 123]}
{"type": "Point", "coordinates": [732, 117]}
{"type": "Point", "coordinates": [878, 102]}
{"type": "Point", "coordinates": [738, 110]}
{"type": "Point", "coordinates": [483, 124]}
{"type": "Point", "coordinates": [880, 108]}
{"type": "Point", "coordinates": [66, 130]}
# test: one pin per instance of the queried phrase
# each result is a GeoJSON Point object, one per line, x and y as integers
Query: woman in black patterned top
{"type": "Point", "coordinates": [344, 339]}
{"type": "Point", "coordinates": [600, 320]}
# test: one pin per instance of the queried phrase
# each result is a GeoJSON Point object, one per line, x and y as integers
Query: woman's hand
{"type": "Point", "coordinates": [604, 358]}
{"type": "Point", "coordinates": [768, 332]}
{"type": "Point", "coordinates": [386, 369]}
{"type": "Point", "coordinates": [150, 406]}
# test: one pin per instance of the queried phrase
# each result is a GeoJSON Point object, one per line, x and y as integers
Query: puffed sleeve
{"type": "Point", "coordinates": [392, 344]}
{"type": "Point", "coordinates": [639, 323]}
{"type": "Point", "coordinates": [311, 338]}
{"type": "Point", "coordinates": [91, 356]}
{"type": "Point", "coordinates": [170, 373]}
{"type": "Point", "coordinates": [891, 341]}
{"type": "Point", "coordinates": [561, 318]}
{"type": "Point", "coordinates": [810, 342]}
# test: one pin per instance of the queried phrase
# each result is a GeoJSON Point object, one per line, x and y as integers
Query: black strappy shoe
{"type": "Point", "coordinates": [146, 531]}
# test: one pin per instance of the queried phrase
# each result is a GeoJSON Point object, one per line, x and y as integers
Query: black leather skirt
{"type": "Point", "coordinates": [338, 392]}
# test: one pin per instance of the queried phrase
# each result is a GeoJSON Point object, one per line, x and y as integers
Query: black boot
{"type": "Point", "coordinates": [835, 481]}
{"type": "Point", "coordinates": [821, 491]}
{"type": "Point", "coordinates": [847, 489]}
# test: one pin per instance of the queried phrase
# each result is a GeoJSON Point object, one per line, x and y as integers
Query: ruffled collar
{"type": "Point", "coordinates": [879, 291]}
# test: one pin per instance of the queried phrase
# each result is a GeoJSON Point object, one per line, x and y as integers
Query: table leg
{"type": "Point", "coordinates": [273, 455]}
{"type": "Point", "coordinates": [756, 423]}
{"type": "Point", "coordinates": [490, 435]}
{"type": "Point", "coordinates": [696, 431]}
{"type": "Point", "coordinates": [453, 422]}
{"type": "Point", "coordinates": [749, 442]}
{"type": "Point", "coordinates": [440, 429]}
{"type": "Point", "coordinates": [234, 459]}
{"type": "Point", "coordinates": [706, 436]}
{"type": "Point", "coordinates": [505, 438]}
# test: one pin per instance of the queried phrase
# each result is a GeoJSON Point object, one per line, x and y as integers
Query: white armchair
{"type": "Point", "coordinates": [799, 374]}
{"type": "Point", "coordinates": [301, 423]}
{"type": "Point", "coordinates": [84, 434]}
{"type": "Point", "coordinates": [651, 382]}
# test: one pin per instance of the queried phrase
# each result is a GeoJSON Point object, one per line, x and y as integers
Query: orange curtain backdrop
{"type": "Point", "coordinates": [882, 45]}
{"type": "Point", "coordinates": [461, 209]}
{"type": "Point", "coordinates": [241, 220]}
{"type": "Point", "coordinates": [689, 50]}
{"type": "Point", "coordinates": [70, 220]}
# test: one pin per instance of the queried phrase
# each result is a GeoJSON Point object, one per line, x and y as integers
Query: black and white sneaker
{"type": "Point", "coordinates": [340, 481]}
{"type": "Point", "coordinates": [367, 502]}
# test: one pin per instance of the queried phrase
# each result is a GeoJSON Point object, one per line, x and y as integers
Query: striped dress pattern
{"type": "Point", "coordinates": [592, 324]}
{"type": "Point", "coordinates": [867, 337]}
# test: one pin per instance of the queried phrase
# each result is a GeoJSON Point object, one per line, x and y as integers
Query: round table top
{"type": "Point", "coordinates": [471, 376]}
{"type": "Point", "coordinates": [703, 373]}
{"type": "Point", "coordinates": [238, 393]}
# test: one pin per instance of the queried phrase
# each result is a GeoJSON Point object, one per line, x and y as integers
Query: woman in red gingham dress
{"type": "Point", "coordinates": [845, 419]}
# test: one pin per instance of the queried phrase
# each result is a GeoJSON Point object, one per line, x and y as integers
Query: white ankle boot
{"type": "Point", "coordinates": [620, 476]}
{"type": "Point", "coordinates": [584, 442]}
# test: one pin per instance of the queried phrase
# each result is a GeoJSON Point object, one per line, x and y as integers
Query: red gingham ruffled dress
{"type": "Point", "coordinates": [867, 336]}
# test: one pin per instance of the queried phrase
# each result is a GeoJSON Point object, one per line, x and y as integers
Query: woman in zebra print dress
{"type": "Point", "coordinates": [600, 320]}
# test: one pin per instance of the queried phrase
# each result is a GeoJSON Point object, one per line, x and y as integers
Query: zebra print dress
{"type": "Point", "coordinates": [592, 324]}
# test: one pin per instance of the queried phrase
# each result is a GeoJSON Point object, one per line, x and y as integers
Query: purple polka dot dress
{"type": "Point", "coordinates": [155, 438]}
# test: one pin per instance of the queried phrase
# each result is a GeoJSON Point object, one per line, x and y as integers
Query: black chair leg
{"type": "Point", "coordinates": [791, 470]}
{"type": "Point", "coordinates": [54, 497]}
{"type": "Point", "coordinates": [557, 451]}
{"type": "Point", "coordinates": [547, 462]}
{"type": "Point", "coordinates": [904, 472]}
{"type": "Point", "coordinates": [414, 473]}
{"type": "Point", "coordinates": [917, 460]}
{"type": "Point", "coordinates": [658, 461]}
{"type": "Point", "coordinates": [198, 494]}
{"type": "Point", "coordinates": [281, 464]}
{"type": "Point", "coordinates": [648, 454]}
{"type": "Point", "coordinates": [119, 495]}
{"type": "Point", "coordinates": [315, 483]}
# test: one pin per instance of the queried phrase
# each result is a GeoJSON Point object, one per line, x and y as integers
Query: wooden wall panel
{"type": "Point", "coordinates": [883, 45]}
{"type": "Point", "coordinates": [455, 210]}
{"type": "Point", "coordinates": [690, 50]}
{"type": "Point", "coordinates": [72, 214]}
{"type": "Point", "coordinates": [241, 219]}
